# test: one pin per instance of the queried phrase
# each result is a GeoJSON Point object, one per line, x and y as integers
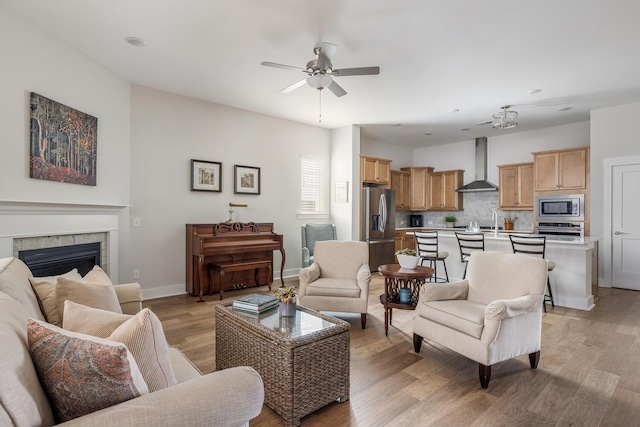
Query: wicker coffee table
{"type": "Point", "coordinates": [303, 360]}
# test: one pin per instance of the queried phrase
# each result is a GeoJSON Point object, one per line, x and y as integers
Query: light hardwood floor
{"type": "Point", "coordinates": [589, 371]}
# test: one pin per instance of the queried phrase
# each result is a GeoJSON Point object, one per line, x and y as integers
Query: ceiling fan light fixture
{"type": "Point", "coordinates": [505, 119]}
{"type": "Point", "coordinates": [319, 81]}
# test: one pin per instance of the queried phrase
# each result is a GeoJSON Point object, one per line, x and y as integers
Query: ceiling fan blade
{"type": "Point", "coordinates": [361, 71]}
{"type": "Point", "coordinates": [286, 67]}
{"type": "Point", "coordinates": [336, 89]}
{"type": "Point", "coordinates": [294, 86]}
{"type": "Point", "coordinates": [328, 49]}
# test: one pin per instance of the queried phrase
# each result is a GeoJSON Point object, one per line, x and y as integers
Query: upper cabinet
{"type": "Point", "coordinates": [419, 198]}
{"type": "Point", "coordinates": [401, 182]}
{"type": "Point", "coordinates": [516, 187]}
{"type": "Point", "coordinates": [561, 170]}
{"type": "Point", "coordinates": [442, 190]}
{"type": "Point", "coordinates": [374, 170]}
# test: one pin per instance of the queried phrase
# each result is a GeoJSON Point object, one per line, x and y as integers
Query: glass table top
{"type": "Point", "coordinates": [303, 323]}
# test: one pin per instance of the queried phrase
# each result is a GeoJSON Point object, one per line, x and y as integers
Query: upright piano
{"type": "Point", "coordinates": [235, 244]}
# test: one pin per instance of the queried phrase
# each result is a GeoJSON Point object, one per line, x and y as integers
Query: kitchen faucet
{"type": "Point", "coordinates": [494, 218]}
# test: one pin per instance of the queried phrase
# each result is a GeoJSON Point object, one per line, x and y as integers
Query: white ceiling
{"type": "Point", "coordinates": [434, 56]}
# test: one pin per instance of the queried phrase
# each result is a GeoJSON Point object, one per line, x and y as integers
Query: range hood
{"type": "Point", "coordinates": [481, 183]}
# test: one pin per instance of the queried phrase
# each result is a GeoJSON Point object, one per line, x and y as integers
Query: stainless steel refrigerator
{"type": "Point", "coordinates": [378, 224]}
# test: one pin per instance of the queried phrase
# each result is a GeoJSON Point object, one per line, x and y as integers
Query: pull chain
{"type": "Point", "coordinates": [320, 107]}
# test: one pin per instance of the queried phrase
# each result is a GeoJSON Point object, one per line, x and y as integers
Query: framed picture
{"type": "Point", "coordinates": [246, 180]}
{"type": "Point", "coordinates": [64, 142]}
{"type": "Point", "coordinates": [206, 176]}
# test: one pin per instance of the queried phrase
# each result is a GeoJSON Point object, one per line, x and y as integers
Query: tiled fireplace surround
{"type": "Point", "coordinates": [31, 225]}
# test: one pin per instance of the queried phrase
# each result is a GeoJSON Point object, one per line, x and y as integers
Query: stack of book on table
{"type": "Point", "coordinates": [255, 303]}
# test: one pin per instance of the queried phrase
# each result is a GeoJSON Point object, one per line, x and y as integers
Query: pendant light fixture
{"type": "Point", "coordinates": [505, 119]}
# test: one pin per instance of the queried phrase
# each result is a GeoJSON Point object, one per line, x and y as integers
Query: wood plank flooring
{"type": "Point", "coordinates": [589, 371]}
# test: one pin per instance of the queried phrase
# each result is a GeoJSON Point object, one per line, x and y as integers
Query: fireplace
{"type": "Point", "coordinates": [59, 260]}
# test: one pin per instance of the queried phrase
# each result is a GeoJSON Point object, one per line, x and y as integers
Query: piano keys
{"type": "Point", "coordinates": [236, 245]}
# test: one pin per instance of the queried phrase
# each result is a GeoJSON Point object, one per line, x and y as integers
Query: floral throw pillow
{"type": "Point", "coordinates": [82, 374]}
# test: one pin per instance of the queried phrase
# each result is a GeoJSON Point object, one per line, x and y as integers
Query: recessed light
{"type": "Point", "coordinates": [428, 133]}
{"type": "Point", "coordinates": [565, 108]}
{"type": "Point", "coordinates": [465, 129]}
{"type": "Point", "coordinates": [533, 91]}
{"type": "Point", "coordinates": [135, 41]}
{"type": "Point", "coordinates": [454, 110]}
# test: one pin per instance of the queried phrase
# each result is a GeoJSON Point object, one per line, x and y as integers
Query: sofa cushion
{"type": "Point", "coordinates": [94, 290]}
{"type": "Point", "coordinates": [14, 281]}
{"type": "Point", "coordinates": [462, 315]}
{"type": "Point", "coordinates": [45, 288]}
{"type": "Point", "coordinates": [22, 399]}
{"type": "Point", "coordinates": [142, 334]}
{"type": "Point", "coordinates": [325, 287]}
{"type": "Point", "coordinates": [82, 374]}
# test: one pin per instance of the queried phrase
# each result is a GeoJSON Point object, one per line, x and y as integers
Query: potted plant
{"type": "Point", "coordinates": [407, 258]}
{"type": "Point", "coordinates": [450, 221]}
{"type": "Point", "coordinates": [287, 297]}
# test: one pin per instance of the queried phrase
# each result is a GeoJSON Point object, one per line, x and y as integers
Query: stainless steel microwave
{"type": "Point", "coordinates": [564, 207]}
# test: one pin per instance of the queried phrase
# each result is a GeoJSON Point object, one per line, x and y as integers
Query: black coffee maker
{"type": "Point", "coordinates": [415, 221]}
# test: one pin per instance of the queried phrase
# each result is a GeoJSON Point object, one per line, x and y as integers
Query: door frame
{"type": "Point", "coordinates": [607, 250]}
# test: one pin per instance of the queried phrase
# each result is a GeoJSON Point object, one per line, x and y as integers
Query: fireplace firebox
{"type": "Point", "coordinates": [62, 259]}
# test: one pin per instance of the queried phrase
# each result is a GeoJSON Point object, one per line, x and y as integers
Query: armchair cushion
{"type": "Point", "coordinates": [444, 291]}
{"type": "Point", "coordinates": [334, 288]}
{"type": "Point", "coordinates": [462, 315]}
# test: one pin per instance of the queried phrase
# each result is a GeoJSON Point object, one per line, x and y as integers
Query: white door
{"type": "Point", "coordinates": [625, 224]}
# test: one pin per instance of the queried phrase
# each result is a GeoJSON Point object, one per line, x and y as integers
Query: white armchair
{"type": "Point", "coordinates": [492, 316]}
{"type": "Point", "coordinates": [338, 280]}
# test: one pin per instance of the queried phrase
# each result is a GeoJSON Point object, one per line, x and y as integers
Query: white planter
{"type": "Point", "coordinates": [407, 261]}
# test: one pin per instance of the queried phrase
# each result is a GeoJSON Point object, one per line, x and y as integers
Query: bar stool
{"type": "Point", "coordinates": [427, 250]}
{"type": "Point", "coordinates": [534, 245]}
{"type": "Point", "coordinates": [469, 243]}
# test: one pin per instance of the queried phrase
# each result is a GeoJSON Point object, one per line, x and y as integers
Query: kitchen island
{"type": "Point", "coordinates": [571, 281]}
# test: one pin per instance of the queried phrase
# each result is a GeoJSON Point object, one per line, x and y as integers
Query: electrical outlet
{"type": "Point", "coordinates": [136, 222]}
{"type": "Point", "coordinates": [429, 222]}
{"type": "Point", "coordinates": [136, 274]}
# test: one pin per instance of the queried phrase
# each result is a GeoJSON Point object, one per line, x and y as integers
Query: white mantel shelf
{"type": "Point", "coordinates": [13, 207]}
{"type": "Point", "coordinates": [571, 280]}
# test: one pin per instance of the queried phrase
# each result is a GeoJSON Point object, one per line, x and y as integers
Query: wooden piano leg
{"type": "Point", "coordinates": [282, 267]}
{"type": "Point", "coordinates": [199, 277]}
{"type": "Point", "coordinates": [270, 276]}
{"type": "Point", "coordinates": [221, 276]}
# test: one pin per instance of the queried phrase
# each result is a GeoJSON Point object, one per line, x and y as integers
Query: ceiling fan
{"type": "Point", "coordinates": [320, 71]}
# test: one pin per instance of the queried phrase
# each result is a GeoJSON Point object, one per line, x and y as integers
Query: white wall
{"type": "Point", "coordinates": [344, 170]}
{"type": "Point", "coordinates": [32, 61]}
{"type": "Point", "coordinates": [168, 131]}
{"type": "Point", "coordinates": [505, 149]}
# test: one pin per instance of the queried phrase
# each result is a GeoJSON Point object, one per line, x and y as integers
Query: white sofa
{"type": "Point", "coordinates": [225, 398]}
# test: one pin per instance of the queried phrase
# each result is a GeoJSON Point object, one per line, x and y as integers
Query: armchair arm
{"type": "Point", "coordinates": [444, 291]}
{"type": "Point", "coordinates": [363, 277]}
{"type": "Point", "coordinates": [310, 274]}
{"type": "Point", "coordinates": [503, 309]}
{"type": "Point", "coordinates": [230, 397]}
{"type": "Point", "coordinates": [130, 297]}
{"type": "Point", "coordinates": [306, 256]}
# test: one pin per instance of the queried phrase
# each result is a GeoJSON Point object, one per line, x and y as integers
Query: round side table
{"type": "Point", "coordinates": [396, 277]}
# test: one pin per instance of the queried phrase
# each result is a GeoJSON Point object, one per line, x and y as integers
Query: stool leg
{"type": "Point", "coordinates": [464, 275]}
{"type": "Point", "coordinates": [550, 293]}
{"type": "Point", "coordinates": [446, 275]}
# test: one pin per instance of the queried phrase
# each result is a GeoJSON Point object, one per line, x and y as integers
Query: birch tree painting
{"type": "Point", "coordinates": [63, 142]}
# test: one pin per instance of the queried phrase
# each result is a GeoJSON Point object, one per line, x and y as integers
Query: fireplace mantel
{"type": "Point", "coordinates": [23, 219]}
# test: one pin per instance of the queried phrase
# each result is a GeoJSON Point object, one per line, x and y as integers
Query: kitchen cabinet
{"type": "Point", "coordinates": [404, 240]}
{"type": "Point", "coordinates": [442, 190]}
{"type": "Point", "coordinates": [419, 187]}
{"type": "Point", "coordinates": [374, 170]}
{"type": "Point", "coordinates": [515, 188]}
{"type": "Point", "coordinates": [561, 170]}
{"type": "Point", "coordinates": [401, 182]}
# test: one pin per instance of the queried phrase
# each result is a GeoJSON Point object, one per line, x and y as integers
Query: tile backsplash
{"type": "Point", "coordinates": [478, 207]}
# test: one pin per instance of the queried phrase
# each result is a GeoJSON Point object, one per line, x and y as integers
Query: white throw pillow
{"type": "Point", "coordinates": [45, 290]}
